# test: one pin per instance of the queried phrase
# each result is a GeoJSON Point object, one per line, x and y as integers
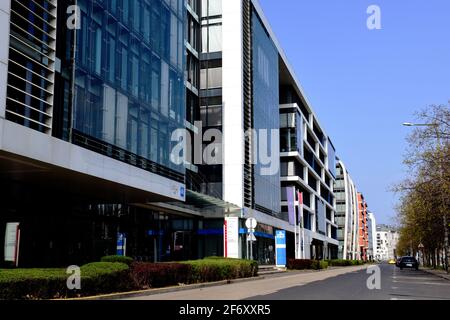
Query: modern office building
{"type": "Point", "coordinates": [347, 215]}
{"type": "Point", "coordinates": [246, 81]}
{"type": "Point", "coordinates": [86, 111]}
{"type": "Point", "coordinates": [88, 108]}
{"type": "Point", "coordinates": [363, 228]}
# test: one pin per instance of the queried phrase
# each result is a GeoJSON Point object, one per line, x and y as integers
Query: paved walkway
{"type": "Point", "coordinates": [243, 290]}
{"type": "Point", "coordinates": [439, 273]}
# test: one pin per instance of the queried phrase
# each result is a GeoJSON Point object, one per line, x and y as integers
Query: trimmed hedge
{"type": "Point", "coordinates": [344, 263]}
{"type": "Point", "coordinates": [105, 277]}
{"type": "Point", "coordinates": [32, 284]}
{"type": "Point", "coordinates": [216, 269]}
{"type": "Point", "coordinates": [303, 264]}
{"type": "Point", "coordinates": [109, 277]}
{"type": "Point", "coordinates": [127, 260]}
{"type": "Point", "coordinates": [156, 275]}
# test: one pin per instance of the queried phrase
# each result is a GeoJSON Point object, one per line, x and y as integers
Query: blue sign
{"type": "Point", "coordinates": [120, 244]}
{"type": "Point", "coordinates": [280, 248]}
{"type": "Point", "coordinates": [182, 192]}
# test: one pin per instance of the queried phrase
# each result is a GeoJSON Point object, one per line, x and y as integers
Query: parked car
{"type": "Point", "coordinates": [408, 262]}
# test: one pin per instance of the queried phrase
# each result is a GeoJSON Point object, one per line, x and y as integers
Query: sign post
{"type": "Point", "coordinates": [280, 248]}
{"type": "Point", "coordinates": [12, 243]}
{"type": "Point", "coordinates": [231, 237]}
{"type": "Point", "coordinates": [121, 244]}
{"type": "Point", "coordinates": [251, 224]}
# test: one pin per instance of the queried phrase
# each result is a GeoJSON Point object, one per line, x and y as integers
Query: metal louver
{"type": "Point", "coordinates": [248, 103]}
{"type": "Point", "coordinates": [31, 67]}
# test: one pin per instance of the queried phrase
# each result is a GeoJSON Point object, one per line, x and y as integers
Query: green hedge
{"type": "Point", "coordinates": [96, 278]}
{"type": "Point", "coordinates": [121, 259]}
{"type": "Point", "coordinates": [303, 264]}
{"type": "Point", "coordinates": [105, 277]}
{"type": "Point", "coordinates": [217, 269]}
{"type": "Point", "coordinates": [344, 263]}
{"type": "Point", "coordinates": [109, 277]}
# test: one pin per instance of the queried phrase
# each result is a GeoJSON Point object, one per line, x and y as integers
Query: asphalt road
{"type": "Point", "coordinates": [396, 284]}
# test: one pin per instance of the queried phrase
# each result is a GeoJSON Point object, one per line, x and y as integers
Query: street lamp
{"type": "Point", "coordinates": [441, 172]}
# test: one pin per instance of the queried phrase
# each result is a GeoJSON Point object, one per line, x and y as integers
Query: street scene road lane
{"type": "Point", "coordinates": [396, 284]}
{"type": "Point", "coordinates": [335, 284]}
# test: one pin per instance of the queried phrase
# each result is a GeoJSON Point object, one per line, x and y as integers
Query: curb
{"type": "Point", "coordinates": [443, 276]}
{"type": "Point", "coordinates": [149, 292]}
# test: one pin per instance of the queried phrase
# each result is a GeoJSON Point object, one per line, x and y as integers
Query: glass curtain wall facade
{"type": "Point", "coordinates": [265, 110]}
{"type": "Point", "coordinates": [129, 78]}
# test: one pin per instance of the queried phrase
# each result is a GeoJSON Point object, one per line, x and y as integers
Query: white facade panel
{"type": "Point", "coordinates": [29, 143]}
{"type": "Point", "coordinates": [233, 121]}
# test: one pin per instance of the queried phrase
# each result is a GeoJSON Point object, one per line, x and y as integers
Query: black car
{"type": "Point", "coordinates": [408, 262]}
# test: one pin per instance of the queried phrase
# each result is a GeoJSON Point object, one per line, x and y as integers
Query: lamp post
{"type": "Point", "coordinates": [441, 174]}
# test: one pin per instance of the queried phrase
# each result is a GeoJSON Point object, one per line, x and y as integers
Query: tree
{"type": "Point", "coordinates": [425, 203]}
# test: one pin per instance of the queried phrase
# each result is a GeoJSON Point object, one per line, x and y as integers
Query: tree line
{"type": "Point", "coordinates": [424, 204]}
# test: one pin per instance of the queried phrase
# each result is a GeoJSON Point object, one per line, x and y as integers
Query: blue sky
{"type": "Point", "coordinates": [363, 84]}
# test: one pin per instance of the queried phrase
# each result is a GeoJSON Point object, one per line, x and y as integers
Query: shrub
{"type": "Point", "coordinates": [32, 283]}
{"type": "Point", "coordinates": [340, 263]}
{"type": "Point", "coordinates": [105, 277]}
{"type": "Point", "coordinates": [300, 264]}
{"type": "Point", "coordinates": [344, 263]}
{"type": "Point", "coordinates": [156, 275]}
{"type": "Point", "coordinates": [303, 264]}
{"type": "Point", "coordinates": [127, 260]}
{"type": "Point", "coordinates": [217, 269]}
{"type": "Point", "coordinates": [100, 277]}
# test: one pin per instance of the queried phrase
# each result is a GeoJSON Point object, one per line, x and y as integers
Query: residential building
{"type": "Point", "coordinates": [347, 215]}
{"type": "Point", "coordinates": [363, 228]}
{"type": "Point", "coordinates": [387, 239]}
{"type": "Point", "coordinates": [372, 231]}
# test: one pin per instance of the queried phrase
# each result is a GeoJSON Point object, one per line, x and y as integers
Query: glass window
{"type": "Point", "coordinates": [211, 78]}
{"type": "Point", "coordinates": [212, 38]}
{"type": "Point", "coordinates": [211, 8]}
{"type": "Point", "coordinates": [265, 105]}
{"type": "Point", "coordinates": [131, 59]}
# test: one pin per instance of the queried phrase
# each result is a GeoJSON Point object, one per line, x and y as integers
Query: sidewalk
{"type": "Point", "coordinates": [246, 289]}
{"type": "Point", "coordinates": [439, 273]}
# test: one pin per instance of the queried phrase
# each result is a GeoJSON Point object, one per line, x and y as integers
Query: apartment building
{"type": "Point", "coordinates": [363, 228]}
{"type": "Point", "coordinates": [371, 234]}
{"type": "Point", "coordinates": [386, 243]}
{"type": "Point", "coordinates": [347, 215]}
